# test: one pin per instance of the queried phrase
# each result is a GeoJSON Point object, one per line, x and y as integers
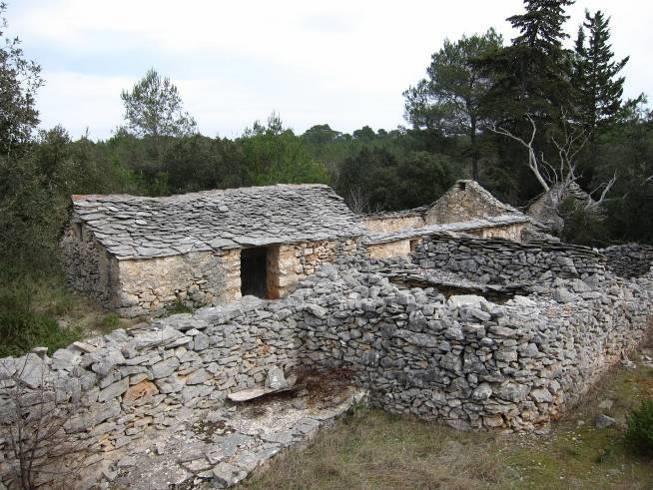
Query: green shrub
{"type": "Point", "coordinates": [639, 434]}
{"type": "Point", "coordinates": [21, 330]}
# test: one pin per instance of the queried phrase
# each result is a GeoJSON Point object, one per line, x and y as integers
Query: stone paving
{"type": "Point", "coordinates": [216, 448]}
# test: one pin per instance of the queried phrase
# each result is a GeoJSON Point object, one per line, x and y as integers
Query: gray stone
{"type": "Point", "coordinates": [482, 392]}
{"type": "Point", "coordinates": [165, 368]}
{"type": "Point", "coordinates": [275, 379]}
{"type": "Point", "coordinates": [114, 390]}
{"type": "Point", "coordinates": [226, 474]}
{"type": "Point", "coordinates": [604, 421]}
{"type": "Point", "coordinates": [514, 392]}
{"type": "Point", "coordinates": [562, 295]}
{"type": "Point", "coordinates": [541, 396]}
{"type": "Point", "coordinates": [197, 377]}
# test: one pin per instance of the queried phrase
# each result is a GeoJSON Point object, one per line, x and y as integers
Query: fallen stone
{"type": "Point", "coordinates": [603, 421]}
{"type": "Point", "coordinates": [276, 379]}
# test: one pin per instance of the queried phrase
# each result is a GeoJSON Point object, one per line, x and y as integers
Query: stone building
{"type": "Point", "coordinates": [465, 208]}
{"type": "Point", "coordinates": [137, 255]}
{"type": "Point", "coordinates": [465, 201]}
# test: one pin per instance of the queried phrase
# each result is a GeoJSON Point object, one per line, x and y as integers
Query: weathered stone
{"type": "Point", "coordinates": [197, 377]}
{"type": "Point", "coordinates": [114, 390]}
{"type": "Point", "coordinates": [603, 421]}
{"type": "Point", "coordinates": [275, 379]}
{"type": "Point", "coordinates": [165, 368]}
{"type": "Point", "coordinates": [140, 393]}
{"type": "Point", "coordinates": [482, 392]}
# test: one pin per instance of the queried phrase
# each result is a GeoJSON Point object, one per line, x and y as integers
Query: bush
{"type": "Point", "coordinates": [20, 331]}
{"type": "Point", "coordinates": [639, 434]}
{"type": "Point", "coordinates": [22, 327]}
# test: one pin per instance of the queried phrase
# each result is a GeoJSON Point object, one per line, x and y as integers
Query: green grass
{"type": "Point", "coordinates": [20, 331]}
{"type": "Point", "coordinates": [178, 307]}
{"type": "Point", "coordinates": [43, 312]}
{"type": "Point", "coordinates": [639, 434]}
{"type": "Point", "coordinates": [373, 450]}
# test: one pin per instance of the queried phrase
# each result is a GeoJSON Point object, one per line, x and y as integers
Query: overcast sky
{"type": "Point", "coordinates": [345, 63]}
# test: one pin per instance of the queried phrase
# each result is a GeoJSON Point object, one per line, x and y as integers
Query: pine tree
{"type": "Point", "coordinates": [533, 74]}
{"type": "Point", "coordinates": [595, 73]}
{"type": "Point", "coordinates": [541, 25]}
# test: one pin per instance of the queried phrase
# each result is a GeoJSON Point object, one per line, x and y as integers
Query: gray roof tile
{"type": "Point", "coordinates": [144, 227]}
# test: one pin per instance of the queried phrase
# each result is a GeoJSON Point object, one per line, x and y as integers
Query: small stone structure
{"type": "Point", "coordinates": [138, 255]}
{"type": "Point", "coordinates": [465, 208]}
{"type": "Point", "coordinates": [465, 201]}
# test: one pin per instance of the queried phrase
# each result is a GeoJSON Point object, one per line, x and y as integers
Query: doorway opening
{"type": "Point", "coordinates": [253, 272]}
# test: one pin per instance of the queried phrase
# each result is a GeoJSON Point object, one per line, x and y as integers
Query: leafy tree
{"type": "Point", "coordinates": [154, 108]}
{"type": "Point", "coordinates": [274, 155]}
{"type": "Point", "coordinates": [364, 134]}
{"type": "Point", "coordinates": [196, 162]}
{"type": "Point", "coordinates": [596, 73]}
{"type": "Point", "coordinates": [450, 98]}
{"type": "Point", "coordinates": [19, 81]}
{"type": "Point", "coordinates": [320, 134]}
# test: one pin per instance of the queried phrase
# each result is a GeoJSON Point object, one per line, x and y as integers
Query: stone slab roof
{"type": "Point", "coordinates": [461, 227]}
{"type": "Point", "coordinates": [145, 227]}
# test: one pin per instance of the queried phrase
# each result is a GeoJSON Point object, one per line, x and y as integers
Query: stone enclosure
{"type": "Point", "coordinates": [459, 322]}
{"type": "Point", "coordinates": [479, 334]}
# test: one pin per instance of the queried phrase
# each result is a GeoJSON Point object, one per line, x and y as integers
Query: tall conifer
{"type": "Point", "coordinates": [595, 78]}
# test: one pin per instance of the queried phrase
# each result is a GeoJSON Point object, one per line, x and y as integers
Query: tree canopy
{"type": "Point", "coordinates": [154, 108]}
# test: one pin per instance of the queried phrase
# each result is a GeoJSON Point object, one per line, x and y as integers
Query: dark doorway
{"type": "Point", "coordinates": [253, 272]}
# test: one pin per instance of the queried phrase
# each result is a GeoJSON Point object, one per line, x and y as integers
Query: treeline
{"type": "Point", "coordinates": [524, 118]}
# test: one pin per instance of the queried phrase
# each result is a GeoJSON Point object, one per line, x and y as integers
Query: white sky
{"type": "Point", "coordinates": [345, 63]}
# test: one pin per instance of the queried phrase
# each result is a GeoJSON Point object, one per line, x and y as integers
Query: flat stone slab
{"type": "Point", "coordinates": [220, 446]}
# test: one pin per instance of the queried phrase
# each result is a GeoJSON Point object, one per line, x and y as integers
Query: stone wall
{"type": "Point", "coordinates": [88, 267]}
{"type": "Point", "coordinates": [461, 359]}
{"type": "Point", "coordinates": [503, 261]}
{"type": "Point", "coordinates": [630, 260]}
{"type": "Point", "coordinates": [508, 232]}
{"type": "Point", "coordinates": [465, 201]}
{"type": "Point", "coordinates": [195, 279]}
{"type": "Point", "coordinates": [470, 362]}
{"type": "Point", "coordinates": [140, 287]}
{"type": "Point", "coordinates": [385, 224]}
{"type": "Point", "coordinates": [288, 264]}
{"type": "Point", "coordinates": [400, 248]}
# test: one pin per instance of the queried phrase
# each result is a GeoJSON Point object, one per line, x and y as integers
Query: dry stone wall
{"type": "Point", "coordinates": [290, 263]}
{"type": "Point", "coordinates": [460, 359]}
{"type": "Point", "coordinates": [630, 260]}
{"type": "Point", "coordinates": [148, 286]}
{"type": "Point", "coordinates": [502, 261]}
{"type": "Point", "coordinates": [88, 266]}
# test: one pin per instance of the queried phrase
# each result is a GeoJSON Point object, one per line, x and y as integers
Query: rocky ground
{"type": "Point", "coordinates": [220, 447]}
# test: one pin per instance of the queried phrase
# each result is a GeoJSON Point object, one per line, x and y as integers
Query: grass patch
{"type": "Point", "coordinates": [374, 450]}
{"type": "Point", "coordinates": [178, 307]}
{"type": "Point", "coordinates": [639, 435]}
{"type": "Point", "coordinates": [41, 311]}
{"type": "Point", "coordinates": [20, 331]}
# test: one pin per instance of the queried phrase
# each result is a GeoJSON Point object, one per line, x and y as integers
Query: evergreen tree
{"type": "Point", "coordinates": [596, 73]}
{"type": "Point", "coordinates": [533, 74]}
{"type": "Point", "coordinates": [450, 98]}
{"type": "Point", "coordinates": [541, 26]}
